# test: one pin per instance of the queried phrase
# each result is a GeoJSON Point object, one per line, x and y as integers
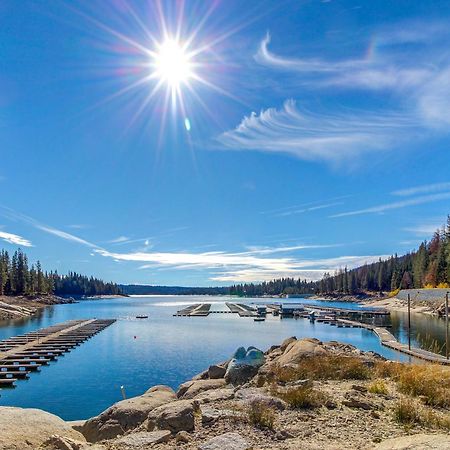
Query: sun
{"type": "Point", "coordinates": [172, 64]}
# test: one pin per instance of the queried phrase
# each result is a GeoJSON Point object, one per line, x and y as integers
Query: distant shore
{"type": "Point", "coordinates": [16, 307]}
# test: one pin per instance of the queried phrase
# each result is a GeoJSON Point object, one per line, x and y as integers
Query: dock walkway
{"type": "Point", "coordinates": [26, 353]}
{"type": "Point", "coordinates": [389, 340]}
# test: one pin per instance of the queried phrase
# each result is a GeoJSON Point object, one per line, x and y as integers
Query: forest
{"type": "Point", "coordinates": [427, 267]}
{"type": "Point", "coordinates": [18, 277]}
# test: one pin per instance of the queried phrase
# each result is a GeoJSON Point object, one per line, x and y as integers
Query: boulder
{"type": "Point", "coordinates": [215, 395]}
{"type": "Point", "coordinates": [298, 350]}
{"type": "Point", "coordinates": [252, 395]}
{"type": "Point", "coordinates": [216, 371]}
{"type": "Point", "coordinates": [416, 442]}
{"type": "Point", "coordinates": [227, 441]}
{"type": "Point", "coordinates": [175, 416]}
{"type": "Point", "coordinates": [142, 439]}
{"type": "Point", "coordinates": [192, 388]}
{"type": "Point", "coordinates": [28, 429]}
{"type": "Point", "coordinates": [244, 365]}
{"type": "Point", "coordinates": [126, 414]}
{"type": "Point", "coordinates": [285, 344]}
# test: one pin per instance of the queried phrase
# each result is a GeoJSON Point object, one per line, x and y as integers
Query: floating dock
{"type": "Point", "coordinates": [26, 353]}
{"type": "Point", "coordinates": [242, 310]}
{"type": "Point", "coordinates": [196, 310]}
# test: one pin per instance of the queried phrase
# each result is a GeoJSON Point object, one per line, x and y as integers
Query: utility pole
{"type": "Point", "coordinates": [446, 326]}
{"type": "Point", "coordinates": [409, 321]}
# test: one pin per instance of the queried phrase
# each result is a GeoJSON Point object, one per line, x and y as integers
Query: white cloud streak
{"type": "Point", "coordinates": [425, 189]}
{"type": "Point", "coordinates": [396, 205]}
{"type": "Point", "coordinates": [313, 136]}
{"type": "Point", "coordinates": [15, 239]}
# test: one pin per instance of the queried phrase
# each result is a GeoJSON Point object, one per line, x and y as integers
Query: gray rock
{"type": "Point", "coordinates": [175, 416]}
{"type": "Point", "coordinates": [28, 429]}
{"type": "Point", "coordinates": [192, 388]}
{"type": "Point", "coordinates": [244, 365]}
{"type": "Point", "coordinates": [250, 395]}
{"type": "Point", "coordinates": [210, 415]}
{"type": "Point", "coordinates": [216, 371]}
{"type": "Point", "coordinates": [142, 439]}
{"type": "Point", "coordinates": [183, 437]}
{"type": "Point", "coordinates": [353, 402]}
{"type": "Point", "coordinates": [282, 435]}
{"type": "Point", "coordinates": [126, 415]}
{"type": "Point", "coordinates": [227, 441]}
{"type": "Point", "coordinates": [240, 374]}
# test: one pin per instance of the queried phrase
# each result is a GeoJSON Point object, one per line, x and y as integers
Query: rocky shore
{"type": "Point", "coordinates": [26, 306]}
{"type": "Point", "coordinates": [302, 394]}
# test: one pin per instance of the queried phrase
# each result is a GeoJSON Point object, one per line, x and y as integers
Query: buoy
{"type": "Point", "coordinates": [135, 337]}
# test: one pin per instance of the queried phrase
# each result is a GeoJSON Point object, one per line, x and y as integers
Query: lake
{"type": "Point", "coordinates": [163, 349]}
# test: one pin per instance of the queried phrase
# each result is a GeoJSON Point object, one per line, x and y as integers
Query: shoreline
{"type": "Point", "coordinates": [17, 307]}
{"type": "Point", "coordinates": [301, 393]}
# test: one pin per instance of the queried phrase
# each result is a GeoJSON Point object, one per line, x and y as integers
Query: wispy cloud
{"type": "Point", "coordinates": [309, 136]}
{"type": "Point", "coordinates": [15, 239]}
{"type": "Point", "coordinates": [425, 189]}
{"type": "Point", "coordinates": [396, 205]}
{"type": "Point", "coordinates": [249, 266]}
{"type": "Point", "coordinates": [418, 80]}
{"type": "Point", "coordinates": [119, 240]}
{"type": "Point", "coordinates": [14, 215]}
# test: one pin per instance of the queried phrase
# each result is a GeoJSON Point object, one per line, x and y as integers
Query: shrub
{"type": "Point", "coordinates": [260, 415]}
{"type": "Point", "coordinates": [325, 368]}
{"type": "Point", "coordinates": [394, 293]}
{"type": "Point", "coordinates": [409, 412]}
{"type": "Point", "coordinates": [378, 387]}
{"type": "Point", "coordinates": [302, 397]}
{"type": "Point", "coordinates": [430, 382]}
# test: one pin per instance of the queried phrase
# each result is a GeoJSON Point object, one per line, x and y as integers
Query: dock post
{"type": "Point", "coordinates": [446, 326]}
{"type": "Point", "coordinates": [409, 322]}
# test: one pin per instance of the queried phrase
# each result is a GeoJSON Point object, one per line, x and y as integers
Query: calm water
{"type": "Point", "coordinates": [161, 349]}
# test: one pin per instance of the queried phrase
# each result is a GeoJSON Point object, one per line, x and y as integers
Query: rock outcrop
{"type": "Point", "coordinates": [28, 429]}
{"type": "Point", "coordinates": [175, 416]}
{"type": "Point", "coordinates": [191, 389]}
{"type": "Point", "coordinates": [126, 415]}
{"type": "Point", "coordinates": [416, 442]}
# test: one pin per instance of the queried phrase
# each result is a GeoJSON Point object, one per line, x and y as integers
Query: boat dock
{"type": "Point", "coordinates": [242, 310]}
{"type": "Point", "coordinates": [26, 353]}
{"type": "Point", "coordinates": [196, 310]}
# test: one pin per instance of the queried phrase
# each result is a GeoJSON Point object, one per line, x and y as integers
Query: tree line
{"type": "Point", "coordinates": [427, 267]}
{"type": "Point", "coordinates": [18, 277]}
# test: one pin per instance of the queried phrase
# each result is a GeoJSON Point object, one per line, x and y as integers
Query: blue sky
{"type": "Point", "coordinates": [307, 136]}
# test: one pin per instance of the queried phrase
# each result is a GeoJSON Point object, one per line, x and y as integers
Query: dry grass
{"type": "Point", "coordinates": [260, 415]}
{"type": "Point", "coordinates": [378, 387]}
{"type": "Point", "coordinates": [326, 368]}
{"type": "Point", "coordinates": [410, 412]}
{"type": "Point", "coordinates": [302, 397]}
